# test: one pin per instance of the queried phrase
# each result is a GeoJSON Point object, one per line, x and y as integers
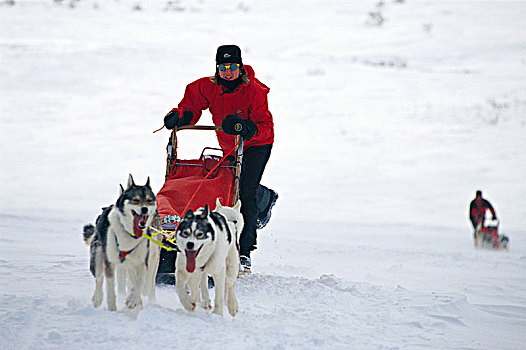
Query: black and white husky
{"type": "Point", "coordinates": [233, 217]}
{"type": "Point", "coordinates": [118, 243]}
{"type": "Point", "coordinates": [208, 245]}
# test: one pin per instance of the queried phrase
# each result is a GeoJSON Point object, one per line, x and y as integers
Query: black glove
{"type": "Point", "coordinates": [233, 124]}
{"type": "Point", "coordinates": [172, 119]}
{"type": "Point", "coordinates": [231, 160]}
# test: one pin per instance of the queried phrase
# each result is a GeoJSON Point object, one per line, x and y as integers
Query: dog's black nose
{"type": "Point", "coordinates": [144, 210]}
{"type": "Point", "coordinates": [190, 245]}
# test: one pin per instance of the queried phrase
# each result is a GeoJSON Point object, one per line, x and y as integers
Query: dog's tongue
{"type": "Point", "coordinates": [190, 260]}
{"type": "Point", "coordinates": [138, 222]}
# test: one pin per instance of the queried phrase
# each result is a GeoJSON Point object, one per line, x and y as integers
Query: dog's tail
{"type": "Point", "coordinates": [89, 233]}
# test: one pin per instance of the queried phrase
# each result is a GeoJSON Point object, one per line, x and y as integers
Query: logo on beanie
{"type": "Point", "coordinates": [226, 55]}
{"type": "Point", "coordinates": [238, 127]}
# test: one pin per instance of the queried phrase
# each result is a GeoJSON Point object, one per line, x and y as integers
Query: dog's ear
{"type": "Point", "coordinates": [218, 203]}
{"type": "Point", "coordinates": [122, 189]}
{"type": "Point", "coordinates": [205, 212]}
{"type": "Point", "coordinates": [130, 181]}
{"type": "Point", "coordinates": [189, 214]}
{"type": "Point", "coordinates": [148, 183]}
{"type": "Point", "coordinates": [238, 205]}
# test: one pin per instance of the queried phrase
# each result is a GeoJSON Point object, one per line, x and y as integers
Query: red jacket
{"type": "Point", "coordinates": [249, 101]}
{"type": "Point", "coordinates": [477, 211]}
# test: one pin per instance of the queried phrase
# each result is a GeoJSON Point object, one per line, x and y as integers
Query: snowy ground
{"type": "Point", "coordinates": [383, 134]}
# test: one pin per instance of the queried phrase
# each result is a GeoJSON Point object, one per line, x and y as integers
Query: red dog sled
{"type": "Point", "coordinates": [190, 184]}
{"type": "Point", "coordinates": [487, 235]}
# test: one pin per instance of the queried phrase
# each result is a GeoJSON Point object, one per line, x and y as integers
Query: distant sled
{"type": "Point", "coordinates": [487, 236]}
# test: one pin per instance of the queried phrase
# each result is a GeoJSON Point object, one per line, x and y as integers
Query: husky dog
{"type": "Point", "coordinates": [207, 248]}
{"type": "Point", "coordinates": [118, 242]}
{"type": "Point", "coordinates": [233, 217]}
{"type": "Point", "coordinates": [235, 223]}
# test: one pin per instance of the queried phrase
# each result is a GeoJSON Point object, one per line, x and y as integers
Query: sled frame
{"type": "Point", "coordinates": [238, 153]}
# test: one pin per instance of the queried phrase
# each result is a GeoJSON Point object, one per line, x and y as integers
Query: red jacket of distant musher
{"type": "Point", "coordinates": [249, 101]}
{"type": "Point", "coordinates": [477, 211]}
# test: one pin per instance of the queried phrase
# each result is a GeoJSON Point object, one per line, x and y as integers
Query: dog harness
{"type": "Point", "coordinates": [124, 253]}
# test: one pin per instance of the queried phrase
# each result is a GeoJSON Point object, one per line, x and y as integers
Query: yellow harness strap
{"type": "Point", "coordinates": [172, 241]}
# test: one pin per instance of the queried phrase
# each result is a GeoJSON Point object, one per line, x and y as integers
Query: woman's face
{"type": "Point", "coordinates": [228, 74]}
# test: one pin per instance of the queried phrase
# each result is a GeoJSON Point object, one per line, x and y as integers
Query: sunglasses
{"type": "Point", "coordinates": [223, 67]}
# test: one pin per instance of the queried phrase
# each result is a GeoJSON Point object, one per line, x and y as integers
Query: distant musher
{"type": "Point", "coordinates": [477, 210]}
{"type": "Point", "coordinates": [486, 228]}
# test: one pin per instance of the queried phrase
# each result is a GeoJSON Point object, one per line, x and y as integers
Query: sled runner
{"type": "Point", "coordinates": [487, 236]}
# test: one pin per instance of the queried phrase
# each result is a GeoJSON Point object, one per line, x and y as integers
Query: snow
{"type": "Point", "coordinates": [383, 135]}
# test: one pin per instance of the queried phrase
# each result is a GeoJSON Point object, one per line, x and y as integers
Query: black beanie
{"type": "Point", "coordinates": [228, 54]}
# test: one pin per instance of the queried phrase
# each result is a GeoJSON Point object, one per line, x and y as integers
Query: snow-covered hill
{"type": "Point", "coordinates": [389, 115]}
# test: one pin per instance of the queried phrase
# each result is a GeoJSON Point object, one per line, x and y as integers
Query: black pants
{"type": "Point", "coordinates": [255, 159]}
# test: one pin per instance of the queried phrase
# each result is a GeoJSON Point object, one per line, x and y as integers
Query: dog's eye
{"type": "Point", "coordinates": [135, 201]}
{"type": "Point", "coordinates": [185, 233]}
{"type": "Point", "coordinates": [199, 234]}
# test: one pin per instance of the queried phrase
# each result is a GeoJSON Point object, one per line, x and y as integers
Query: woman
{"type": "Point", "coordinates": [237, 102]}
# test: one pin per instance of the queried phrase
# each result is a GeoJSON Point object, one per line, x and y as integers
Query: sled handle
{"type": "Point", "coordinates": [237, 173]}
{"type": "Point", "coordinates": [173, 153]}
{"type": "Point", "coordinates": [198, 127]}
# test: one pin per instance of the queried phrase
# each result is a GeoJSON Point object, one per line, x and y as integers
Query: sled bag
{"type": "Point", "coordinates": [188, 176]}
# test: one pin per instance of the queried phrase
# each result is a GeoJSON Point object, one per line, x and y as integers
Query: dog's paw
{"type": "Point", "coordinates": [233, 312]}
{"type": "Point", "coordinates": [207, 304]}
{"type": "Point", "coordinates": [189, 306]}
{"type": "Point", "coordinates": [187, 303]}
{"type": "Point", "coordinates": [233, 308]}
{"type": "Point", "coordinates": [97, 299]}
{"type": "Point", "coordinates": [133, 302]}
